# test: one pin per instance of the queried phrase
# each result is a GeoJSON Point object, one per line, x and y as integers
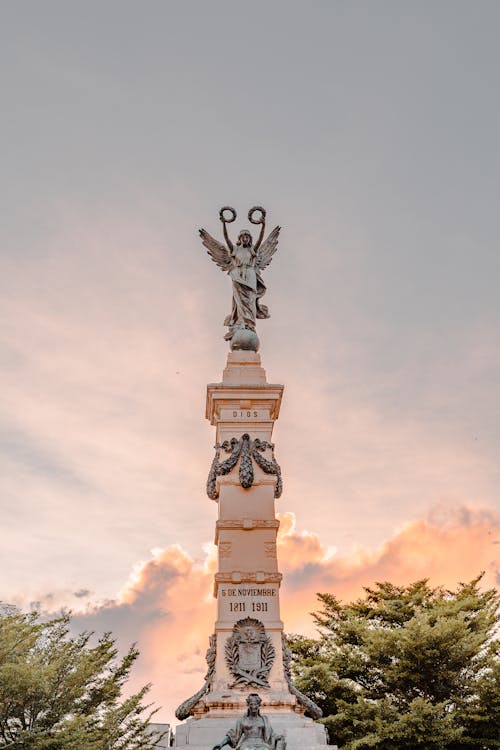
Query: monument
{"type": "Point", "coordinates": [248, 660]}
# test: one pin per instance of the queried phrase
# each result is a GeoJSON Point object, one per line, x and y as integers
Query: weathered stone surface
{"type": "Point", "coordinates": [164, 729]}
{"type": "Point", "coordinates": [245, 339]}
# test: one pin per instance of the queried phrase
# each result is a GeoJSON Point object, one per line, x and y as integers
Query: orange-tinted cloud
{"type": "Point", "coordinates": [446, 550]}
{"type": "Point", "coordinates": [167, 605]}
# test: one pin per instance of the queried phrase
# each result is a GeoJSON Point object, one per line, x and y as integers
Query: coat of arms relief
{"type": "Point", "coordinates": [249, 654]}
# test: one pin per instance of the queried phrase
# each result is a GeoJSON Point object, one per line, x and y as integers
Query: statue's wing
{"type": "Point", "coordinates": [267, 249]}
{"type": "Point", "coordinates": [217, 251]}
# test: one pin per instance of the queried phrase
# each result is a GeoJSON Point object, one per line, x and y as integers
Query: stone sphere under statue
{"type": "Point", "coordinates": [246, 339]}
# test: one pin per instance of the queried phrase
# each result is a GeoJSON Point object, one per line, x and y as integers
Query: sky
{"type": "Point", "coordinates": [370, 132]}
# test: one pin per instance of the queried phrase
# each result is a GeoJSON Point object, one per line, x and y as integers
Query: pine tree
{"type": "Point", "coordinates": [61, 693]}
{"type": "Point", "coordinates": [406, 667]}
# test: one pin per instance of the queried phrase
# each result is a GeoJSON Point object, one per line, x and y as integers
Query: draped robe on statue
{"type": "Point", "coordinates": [254, 733]}
{"type": "Point", "coordinates": [248, 288]}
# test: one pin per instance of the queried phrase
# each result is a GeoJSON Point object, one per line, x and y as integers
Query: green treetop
{"type": "Point", "coordinates": [406, 667]}
{"type": "Point", "coordinates": [61, 693]}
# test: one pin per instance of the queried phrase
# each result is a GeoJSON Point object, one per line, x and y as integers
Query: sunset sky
{"type": "Point", "coordinates": [371, 134]}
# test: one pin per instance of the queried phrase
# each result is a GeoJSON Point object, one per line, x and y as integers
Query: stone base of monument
{"type": "Point", "coordinates": [300, 732]}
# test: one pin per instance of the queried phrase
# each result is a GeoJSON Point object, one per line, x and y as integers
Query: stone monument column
{"type": "Point", "coordinates": [249, 630]}
{"type": "Point", "coordinates": [247, 651]}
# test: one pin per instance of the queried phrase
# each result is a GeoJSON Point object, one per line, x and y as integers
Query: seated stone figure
{"type": "Point", "coordinates": [253, 731]}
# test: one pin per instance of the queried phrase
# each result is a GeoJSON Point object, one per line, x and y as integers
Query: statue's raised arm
{"type": "Point", "coordinates": [243, 262]}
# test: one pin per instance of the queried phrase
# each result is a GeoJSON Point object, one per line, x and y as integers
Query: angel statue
{"type": "Point", "coordinates": [243, 262]}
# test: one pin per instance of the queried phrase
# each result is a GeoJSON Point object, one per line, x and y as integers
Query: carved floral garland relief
{"type": "Point", "coordinates": [245, 449]}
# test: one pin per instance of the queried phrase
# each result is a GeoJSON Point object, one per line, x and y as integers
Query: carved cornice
{"type": "Point", "coordinates": [228, 396]}
{"type": "Point", "coordinates": [245, 524]}
{"type": "Point", "coordinates": [241, 576]}
{"type": "Point", "coordinates": [248, 524]}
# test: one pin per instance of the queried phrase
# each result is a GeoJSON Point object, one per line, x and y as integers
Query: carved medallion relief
{"type": "Point", "coordinates": [249, 654]}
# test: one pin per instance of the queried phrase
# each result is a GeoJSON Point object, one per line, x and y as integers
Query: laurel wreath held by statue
{"type": "Point", "coordinates": [252, 634]}
{"type": "Point", "coordinates": [243, 450]}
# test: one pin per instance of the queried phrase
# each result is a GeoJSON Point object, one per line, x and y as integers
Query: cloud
{"type": "Point", "coordinates": [454, 548]}
{"type": "Point", "coordinates": [168, 608]}
{"type": "Point", "coordinates": [97, 416]}
{"type": "Point", "coordinates": [82, 593]}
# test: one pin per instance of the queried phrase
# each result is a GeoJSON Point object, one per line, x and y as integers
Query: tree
{"type": "Point", "coordinates": [406, 667]}
{"type": "Point", "coordinates": [61, 693]}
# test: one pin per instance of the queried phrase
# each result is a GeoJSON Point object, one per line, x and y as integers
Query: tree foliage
{"type": "Point", "coordinates": [61, 693]}
{"type": "Point", "coordinates": [406, 667]}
